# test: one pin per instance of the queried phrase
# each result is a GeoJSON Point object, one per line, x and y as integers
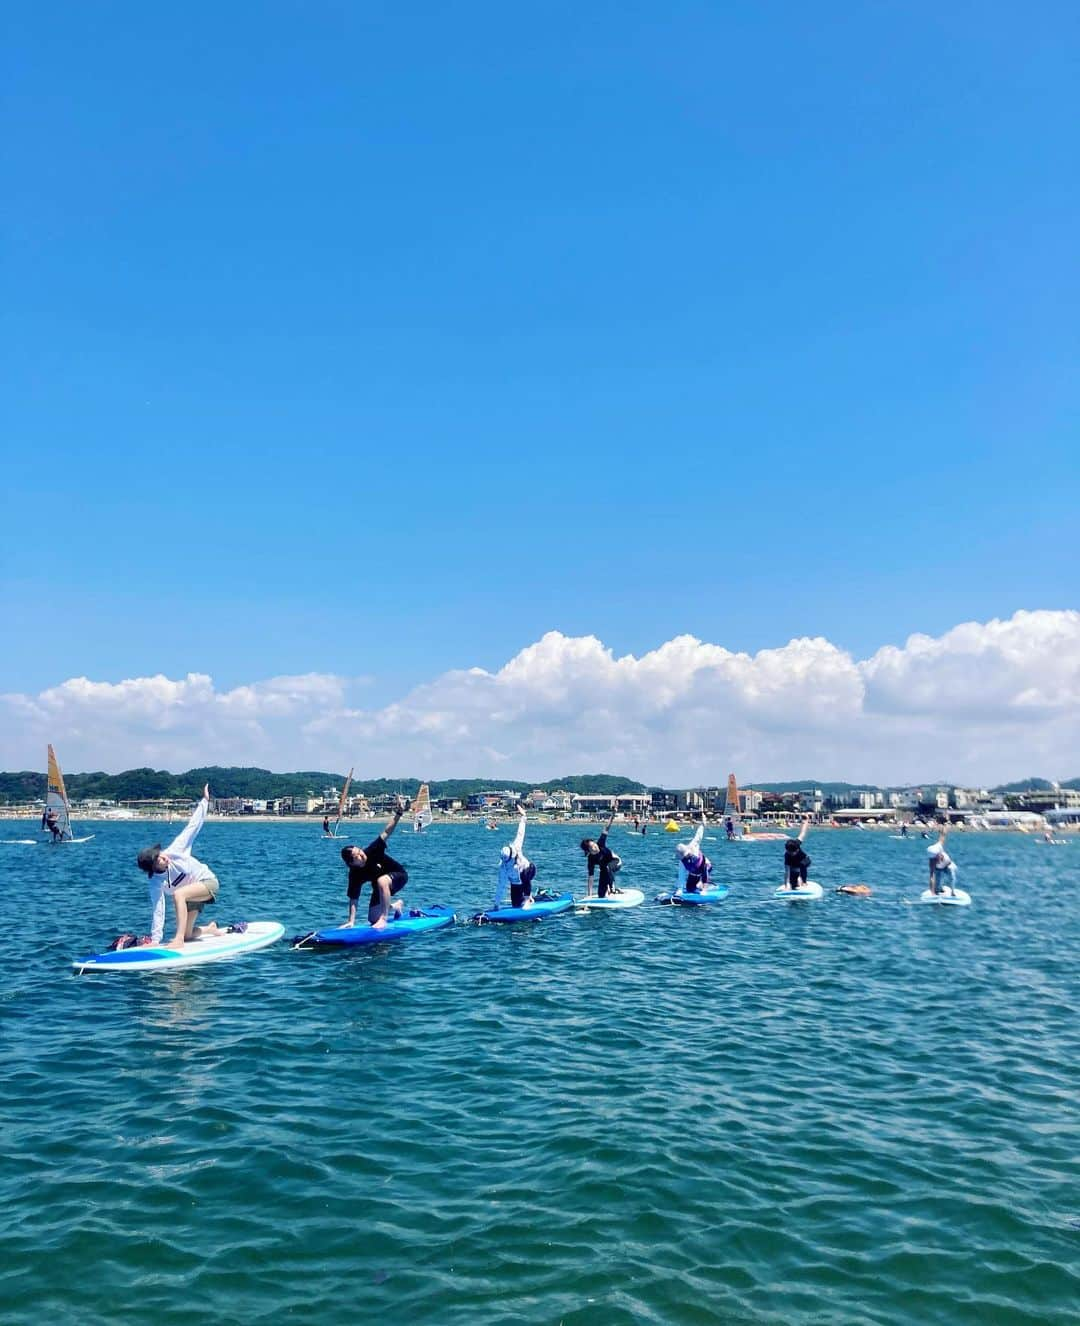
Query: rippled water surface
{"type": "Point", "coordinates": [847, 1111]}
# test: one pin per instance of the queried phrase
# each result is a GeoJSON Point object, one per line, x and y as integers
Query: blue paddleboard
{"type": "Point", "coordinates": [701, 899]}
{"type": "Point", "coordinates": [536, 912]}
{"type": "Point", "coordinates": [154, 957]}
{"type": "Point", "coordinates": [406, 927]}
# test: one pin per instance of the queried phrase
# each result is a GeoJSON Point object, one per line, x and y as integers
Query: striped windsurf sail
{"type": "Point", "coordinates": [341, 803]}
{"type": "Point", "coordinates": [56, 800]}
{"type": "Point", "coordinates": [422, 816]}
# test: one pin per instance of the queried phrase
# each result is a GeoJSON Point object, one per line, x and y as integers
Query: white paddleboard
{"type": "Point", "coordinates": [807, 892]}
{"type": "Point", "coordinates": [67, 842]}
{"type": "Point", "coordinates": [212, 949]}
{"type": "Point", "coordinates": [613, 901]}
{"type": "Point", "coordinates": [954, 898]}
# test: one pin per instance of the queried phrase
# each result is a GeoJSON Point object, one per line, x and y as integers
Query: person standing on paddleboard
{"type": "Point", "coordinates": [941, 864]}
{"type": "Point", "coordinates": [371, 865]}
{"type": "Point", "coordinates": [796, 862]}
{"type": "Point", "coordinates": [695, 866]}
{"type": "Point", "coordinates": [516, 871]}
{"type": "Point", "coordinates": [191, 883]}
{"type": "Point", "coordinates": [599, 854]}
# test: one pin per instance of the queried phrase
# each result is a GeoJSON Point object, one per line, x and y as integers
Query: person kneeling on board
{"type": "Point", "coordinates": [796, 862]}
{"type": "Point", "coordinates": [371, 865]}
{"type": "Point", "coordinates": [598, 853]}
{"type": "Point", "coordinates": [696, 868]}
{"type": "Point", "coordinates": [941, 864]}
{"type": "Point", "coordinates": [191, 883]}
{"type": "Point", "coordinates": [516, 871]}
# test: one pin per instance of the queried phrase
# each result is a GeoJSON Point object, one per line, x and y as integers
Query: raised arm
{"type": "Point", "coordinates": [399, 810]}
{"type": "Point", "coordinates": [695, 841]}
{"type": "Point", "coordinates": [187, 835]}
{"type": "Point", "coordinates": [611, 818]}
{"type": "Point", "coordinates": [805, 827]}
{"type": "Point", "coordinates": [157, 909]}
{"type": "Point", "coordinates": [519, 839]}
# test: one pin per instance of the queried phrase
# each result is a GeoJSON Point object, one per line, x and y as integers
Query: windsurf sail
{"type": "Point", "coordinates": [421, 806]}
{"type": "Point", "coordinates": [57, 809]}
{"type": "Point", "coordinates": [731, 805]}
{"type": "Point", "coordinates": [341, 803]}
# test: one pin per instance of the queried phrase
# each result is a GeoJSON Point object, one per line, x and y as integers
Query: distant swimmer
{"type": "Point", "coordinates": [941, 864]}
{"type": "Point", "coordinates": [192, 884]}
{"type": "Point", "coordinates": [371, 865]}
{"type": "Point", "coordinates": [51, 822]}
{"type": "Point", "coordinates": [796, 862]}
{"type": "Point", "coordinates": [600, 857]}
{"type": "Point", "coordinates": [696, 868]}
{"type": "Point", "coordinates": [516, 871]}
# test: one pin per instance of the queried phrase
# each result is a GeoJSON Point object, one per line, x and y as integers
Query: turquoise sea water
{"type": "Point", "coordinates": [847, 1111]}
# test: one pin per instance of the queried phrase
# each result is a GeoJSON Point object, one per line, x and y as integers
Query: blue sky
{"type": "Point", "coordinates": [381, 339]}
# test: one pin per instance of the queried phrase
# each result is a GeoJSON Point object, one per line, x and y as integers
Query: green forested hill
{"type": "Point", "coordinates": [261, 784]}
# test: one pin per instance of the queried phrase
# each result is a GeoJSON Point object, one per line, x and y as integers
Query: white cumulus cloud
{"type": "Point", "coordinates": [981, 703]}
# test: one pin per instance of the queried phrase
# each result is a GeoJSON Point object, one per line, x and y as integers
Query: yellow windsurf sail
{"type": "Point", "coordinates": [57, 810]}
{"type": "Point", "coordinates": [731, 804]}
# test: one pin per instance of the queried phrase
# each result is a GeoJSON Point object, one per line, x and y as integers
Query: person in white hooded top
{"type": "Point", "coordinates": [516, 871]}
{"type": "Point", "coordinates": [941, 864]}
{"type": "Point", "coordinates": [191, 883]}
{"type": "Point", "coordinates": [695, 868]}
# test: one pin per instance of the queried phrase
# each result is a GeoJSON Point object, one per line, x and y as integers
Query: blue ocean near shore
{"type": "Point", "coordinates": [849, 1111]}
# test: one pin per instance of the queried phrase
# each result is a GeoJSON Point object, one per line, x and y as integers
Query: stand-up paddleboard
{"type": "Point", "coordinates": [537, 912]}
{"type": "Point", "coordinates": [954, 898]}
{"type": "Point", "coordinates": [211, 949]}
{"type": "Point", "coordinates": [613, 901]}
{"type": "Point", "coordinates": [702, 898]}
{"type": "Point", "coordinates": [403, 927]}
{"type": "Point", "coordinates": [808, 892]}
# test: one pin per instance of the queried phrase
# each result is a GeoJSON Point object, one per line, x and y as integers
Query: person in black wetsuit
{"type": "Point", "coordinates": [599, 854]}
{"type": "Point", "coordinates": [371, 865]}
{"type": "Point", "coordinates": [796, 862]}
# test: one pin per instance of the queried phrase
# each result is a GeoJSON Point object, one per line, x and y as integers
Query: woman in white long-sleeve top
{"type": "Point", "coordinates": [516, 871]}
{"type": "Point", "coordinates": [191, 883]}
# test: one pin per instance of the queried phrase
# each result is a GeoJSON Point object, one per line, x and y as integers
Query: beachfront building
{"type": "Point", "coordinates": [587, 805]}
{"type": "Point", "coordinates": [811, 801]}
{"type": "Point", "coordinates": [1044, 799]}
{"type": "Point", "coordinates": [749, 801]}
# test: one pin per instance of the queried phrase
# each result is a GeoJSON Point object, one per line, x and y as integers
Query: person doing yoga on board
{"type": "Point", "coordinates": [191, 884]}
{"type": "Point", "coordinates": [371, 865]}
{"type": "Point", "coordinates": [516, 871]}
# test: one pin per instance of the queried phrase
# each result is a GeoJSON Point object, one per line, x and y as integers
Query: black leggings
{"type": "Point", "coordinates": [519, 892]}
{"type": "Point", "coordinates": [796, 875]}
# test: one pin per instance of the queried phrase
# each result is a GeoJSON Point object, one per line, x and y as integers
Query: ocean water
{"type": "Point", "coordinates": [841, 1112]}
